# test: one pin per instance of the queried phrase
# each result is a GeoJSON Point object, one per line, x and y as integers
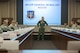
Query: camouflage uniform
{"type": "Point", "coordinates": [41, 24]}
{"type": "Point", "coordinates": [13, 27]}
{"type": "Point", "coordinates": [5, 28]}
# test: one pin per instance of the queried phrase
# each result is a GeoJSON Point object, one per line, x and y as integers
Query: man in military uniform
{"type": "Point", "coordinates": [5, 27]}
{"type": "Point", "coordinates": [13, 25]}
{"type": "Point", "coordinates": [41, 24]}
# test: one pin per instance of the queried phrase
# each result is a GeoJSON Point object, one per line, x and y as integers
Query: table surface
{"type": "Point", "coordinates": [62, 32]}
{"type": "Point", "coordinates": [48, 51]}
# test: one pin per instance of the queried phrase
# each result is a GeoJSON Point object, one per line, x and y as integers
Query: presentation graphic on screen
{"type": "Point", "coordinates": [33, 10]}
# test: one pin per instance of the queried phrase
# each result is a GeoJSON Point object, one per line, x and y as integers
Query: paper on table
{"type": "Point", "coordinates": [1, 39]}
{"type": "Point", "coordinates": [8, 35]}
{"type": "Point", "coordinates": [9, 45]}
{"type": "Point", "coordinates": [12, 35]}
{"type": "Point", "coordinates": [4, 35]}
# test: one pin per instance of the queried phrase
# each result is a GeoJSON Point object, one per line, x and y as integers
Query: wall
{"type": "Point", "coordinates": [73, 9]}
{"type": "Point", "coordinates": [20, 11]}
{"type": "Point", "coordinates": [8, 9]}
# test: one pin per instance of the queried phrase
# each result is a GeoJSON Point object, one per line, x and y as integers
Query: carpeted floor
{"type": "Point", "coordinates": [43, 44]}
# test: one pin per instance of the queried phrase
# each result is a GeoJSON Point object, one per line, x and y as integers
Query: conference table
{"type": "Point", "coordinates": [39, 51]}
{"type": "Point", "coordinates": [61, 36]}
{"type": "Point", "coordinates": [23, 38]}
{"type": "Point", "coordinates": [45, 51]}
{"type": "Point", "coordinates": [58, 35]}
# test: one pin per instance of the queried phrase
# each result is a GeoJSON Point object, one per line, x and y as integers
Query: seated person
{"type": "Point", "coordinates": [13, 25]}
{"type": "Point", "coordinates": [77, 26]}
{"type": "Point", "coordinates": [74, 25]}
{"type": "Point", "coordinates": [5, 27]}
{"type": "Point", "coordinates": [65, 25]}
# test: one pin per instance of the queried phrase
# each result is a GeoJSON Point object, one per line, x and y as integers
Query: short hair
{"type": "Point", "coordinates": [5, 21]}
{"type": "Point", "coordinates": [42, 16]}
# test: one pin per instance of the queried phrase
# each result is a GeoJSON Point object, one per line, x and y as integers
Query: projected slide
{"type": "Point", "coordinates": [33, 10]}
